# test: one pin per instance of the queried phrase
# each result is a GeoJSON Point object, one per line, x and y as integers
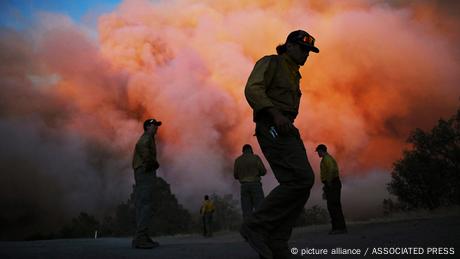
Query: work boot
{"type": "Point", "coordinates": [256, 241]}
{"type": "Point", "coordinates": [144, 242]}
{"type": "Point", "coordinates": [155, 243]}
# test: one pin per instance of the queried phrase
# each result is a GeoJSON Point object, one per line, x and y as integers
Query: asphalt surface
{"type": "Point", "coordinates": [419, 238]}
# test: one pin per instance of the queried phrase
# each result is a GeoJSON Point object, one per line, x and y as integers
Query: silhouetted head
{"type": "Point", "coordinates": [151, 126]}
{"type": "Point", "coordinates": [321, 149]}
{"type": "Point", "coordinates": [247, 149]}
{"type": "Point", "coordinates": [206, 197]}
{"type": "Point", "coordinates": [298, 46]}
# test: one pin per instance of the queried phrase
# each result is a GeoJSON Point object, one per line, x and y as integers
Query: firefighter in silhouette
{"type": "Point", "coordinates": [247, 170]}
{"type": "Point", "coordinates": [206, 211]}
{"type": "Point", "coordinates": [273, 92]}
{"type": "Point", "coordinates": [332, 188]}
{"type": "Point", "coordinates": [145, 165]}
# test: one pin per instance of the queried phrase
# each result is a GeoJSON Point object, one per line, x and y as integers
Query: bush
{"type": "Point", "coordinates": [227, 216]}
{"type": "Point", "coordinates": [82, 226]}
{"type": "Point", "coordinates": [169, 217]}
{"type": "Point", "coordinates": [428, 176]}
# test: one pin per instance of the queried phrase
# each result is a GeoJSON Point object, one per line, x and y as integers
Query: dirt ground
{"type": "Point", "coordinates": [437, 237]}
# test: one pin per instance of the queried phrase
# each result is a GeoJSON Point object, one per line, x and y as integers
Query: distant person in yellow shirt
{"type": "Point", "coordinates": [206, 211]}
{"type": "Point", "coordinates": [332, 188]}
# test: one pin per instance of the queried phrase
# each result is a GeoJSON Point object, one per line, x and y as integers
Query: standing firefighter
{"type": "Point", "coordinates": [206, 211]}
{"type": "Point", "coordinates": [145, 165]}
{"type": "Point", "coordinates": [248, 169]}
{"type": "Point", "coordinates": [332, 187]}
{"type": "Point", "coordinates": [273, 92]}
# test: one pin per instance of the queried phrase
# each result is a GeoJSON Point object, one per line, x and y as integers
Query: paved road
{"type": "Point", "coordinates": [439, 232]}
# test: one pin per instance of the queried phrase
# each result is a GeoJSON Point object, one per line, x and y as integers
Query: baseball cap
{"type": "Point", "coordinates": [321, 147]}
{"type": "Point", "coordinates": [151, 122]}
{"type": "Point", "coordinates": [303, 38]}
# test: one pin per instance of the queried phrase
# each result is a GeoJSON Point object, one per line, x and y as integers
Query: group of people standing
{"type": "Point", "coordinates": [273, 92]}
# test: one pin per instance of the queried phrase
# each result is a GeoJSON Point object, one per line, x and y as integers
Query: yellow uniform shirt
{"type": "Point", "coordinates": [145, 151]}
{"type": "Point", "coordinates": [274, 82]}
{"type": "Point", "coordinates": [207, 207]}
{"type": "Point", "coordinates": [248, 168]}
{"type": "Point", "coordinates": [329, 168]}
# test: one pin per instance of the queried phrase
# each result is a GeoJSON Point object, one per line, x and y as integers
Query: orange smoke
{"type": "Point", "coordinates": [382, 70]}
{"type": "Point", "coordinates": [379, 75]}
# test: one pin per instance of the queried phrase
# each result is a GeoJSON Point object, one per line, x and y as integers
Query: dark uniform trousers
{"type": "Point", "coordinates": [207, 224]}
{"type": "Point", "coordinates": [279, 211]}
{"type": "Point", "coordinates": [143, 195]}
{"type": "Point", "coordinates": [252, 196]}
{"type": "Point", "coordinates": [334, 206]}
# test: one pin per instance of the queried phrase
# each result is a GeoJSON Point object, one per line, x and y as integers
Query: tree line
{"type": "Point", "coordinates": [428, 175]}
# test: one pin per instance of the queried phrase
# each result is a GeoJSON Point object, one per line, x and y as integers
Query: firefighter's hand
{"type": "Point", "coordinates": [282, 123]}
{"type": "Point", "coordinates": [156, 165]}
{"type": "Point", "coordinates": [152, 166]}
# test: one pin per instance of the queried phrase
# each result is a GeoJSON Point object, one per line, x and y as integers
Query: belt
{"type": "Point", "coordinates": [264, 117]}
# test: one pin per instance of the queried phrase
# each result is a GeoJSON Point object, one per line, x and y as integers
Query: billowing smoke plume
{"type": "Point", "coordinates": [71, 106]}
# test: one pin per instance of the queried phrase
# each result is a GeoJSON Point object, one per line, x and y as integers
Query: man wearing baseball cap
{"type": "Point", "coordinates": [273, 92]}
{"type": "Point", "coordinates": [145, 165]}
{"type": "Point", "coordinates": [332, 188]}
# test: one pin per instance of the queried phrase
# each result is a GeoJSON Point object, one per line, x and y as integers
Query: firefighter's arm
{"type": "Point", "coordinates": [328, 167]}
{"type": "Point", "coordinates": [235, 170]}
{"type": "Point", "coordinates": [262, 169]}
{"type": "Point", "coordinates": [256, 87]}
{"type": "Point", "coordinates": [148, 153]}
